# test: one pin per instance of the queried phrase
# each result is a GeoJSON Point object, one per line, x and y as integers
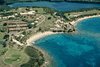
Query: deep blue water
{"type": "Point", "coordinates": [75, 50]}
{"type": "Point", "coordinates": [60, 6]}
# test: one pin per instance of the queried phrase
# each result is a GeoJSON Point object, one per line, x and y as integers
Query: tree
{"type": "Point", "coordinates": [6, 36]}
{"type": "Point", "coordinates": [5, 24]}
{"type": "Point", "coordinates": [49, 18]}
{"type": "Point", "coordinates": [30, 25]}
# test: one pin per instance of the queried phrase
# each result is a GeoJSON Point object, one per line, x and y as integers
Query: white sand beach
{"type": "Point", "coordinates": [37, 36]}
{"type": "Point", "coordinates": [80, 19]}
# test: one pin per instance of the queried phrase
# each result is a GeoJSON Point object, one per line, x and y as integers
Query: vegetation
{"type": "Point", "coordinates": [74, 15]}
{"type": "Point", "coordinates": [13, 56]}
{"type": "Point", "coordinates": [2, 39]}
{"type": "Point", "coordinates": [4, 7]}
{"type": "Point", "coordinates": [2, 50]}
{"type": "Point", "coordinates": [12, 59]}
{"type": "Point", "coordinates": [6, 13]}
{"type": "Point", "coordinates": [36, 57]}
{"type": "Point", "coordinates": [1, 36]}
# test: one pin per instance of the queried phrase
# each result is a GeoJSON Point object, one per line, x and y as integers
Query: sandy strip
{"type": "Point", "coordinates": [32, 39]}
{"type": "Point", "coordinates": [37, 36]}
{"type": "Point", "coordinates": [80, 19]}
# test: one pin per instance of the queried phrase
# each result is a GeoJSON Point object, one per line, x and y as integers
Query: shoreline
{"type": "Point", "coordinates": [37, 36]}
{"type": "Point", "coordinates": [74, 23]}
{"type": "Point", "coordinates": [47, 58]}
{"type": "Point", "coordinates": [31, 42]}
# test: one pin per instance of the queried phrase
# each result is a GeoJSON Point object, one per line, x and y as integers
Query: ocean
{"type": "Point", "coordinates": [75, 50]}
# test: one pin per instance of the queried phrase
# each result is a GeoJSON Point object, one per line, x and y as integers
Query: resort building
{"type": "Point", "coordinates": [16, 26]}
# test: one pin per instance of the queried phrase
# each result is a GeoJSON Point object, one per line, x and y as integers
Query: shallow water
{"type": "Point", "coordinates": [77, 50]}
{"type": "Point", "coordinates": [91, 25]}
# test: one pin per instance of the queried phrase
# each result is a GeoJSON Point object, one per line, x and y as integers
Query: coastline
{"type": "Point", "coordinates": [37, 36]}
{"type": "Point", "coordinates": [31, 41]}
{"type": "Point", "coordinates": [48, 59]}
{"type": "Point", "coordinates": [74, 23]}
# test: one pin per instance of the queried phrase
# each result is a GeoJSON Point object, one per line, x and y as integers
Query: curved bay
{"type": "Point", "coordinates": [76, 50]}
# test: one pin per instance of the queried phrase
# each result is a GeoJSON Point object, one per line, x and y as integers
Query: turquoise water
{"type": "Point", "coordinates": [60, 6]}
{"type": "Point", "coordinates": [91, 25]}
{"type": "Point", "coordinates": [75, 50]}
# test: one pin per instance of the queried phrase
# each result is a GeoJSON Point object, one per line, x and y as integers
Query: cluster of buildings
{"type": "Point", "coordinates": [15, 26]}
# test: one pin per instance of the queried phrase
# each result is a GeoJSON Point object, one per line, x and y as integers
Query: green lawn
{"type": "Point", "coordinates": [86, 12]}
{"type": "Point", "coordinates": [2, 50]}
{"type": "Point", "coordinates": [48, 23]}
{"type": "Point", "coordinates": [39, 10]}
{"type": "Point", "coordinates": [1, 36]}
{"type": "Point", "coordinates": [14, 57]}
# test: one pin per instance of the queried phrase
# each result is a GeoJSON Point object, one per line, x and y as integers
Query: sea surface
{"type": "Point", "coordinates": [59, 6]}
{"type": "Point", "coordinates": [75, 50]}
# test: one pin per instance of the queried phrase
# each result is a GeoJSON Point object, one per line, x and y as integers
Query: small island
{"type": "Point", "coordinates": [21, 27]}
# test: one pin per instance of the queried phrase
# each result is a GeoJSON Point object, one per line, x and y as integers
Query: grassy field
{"type": "Point", "coordinates": [48, 23]}
{"type": "Point", "coordinates": [1, 36]}
{"type": "Point", "coordinates": [26, 57]}
{"type": "Point", "coordinates": [36, 57]}
{"type": "Point", "coordinates": [39, 10]}
{"type": "Point", "coordinates": [12, 57]}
